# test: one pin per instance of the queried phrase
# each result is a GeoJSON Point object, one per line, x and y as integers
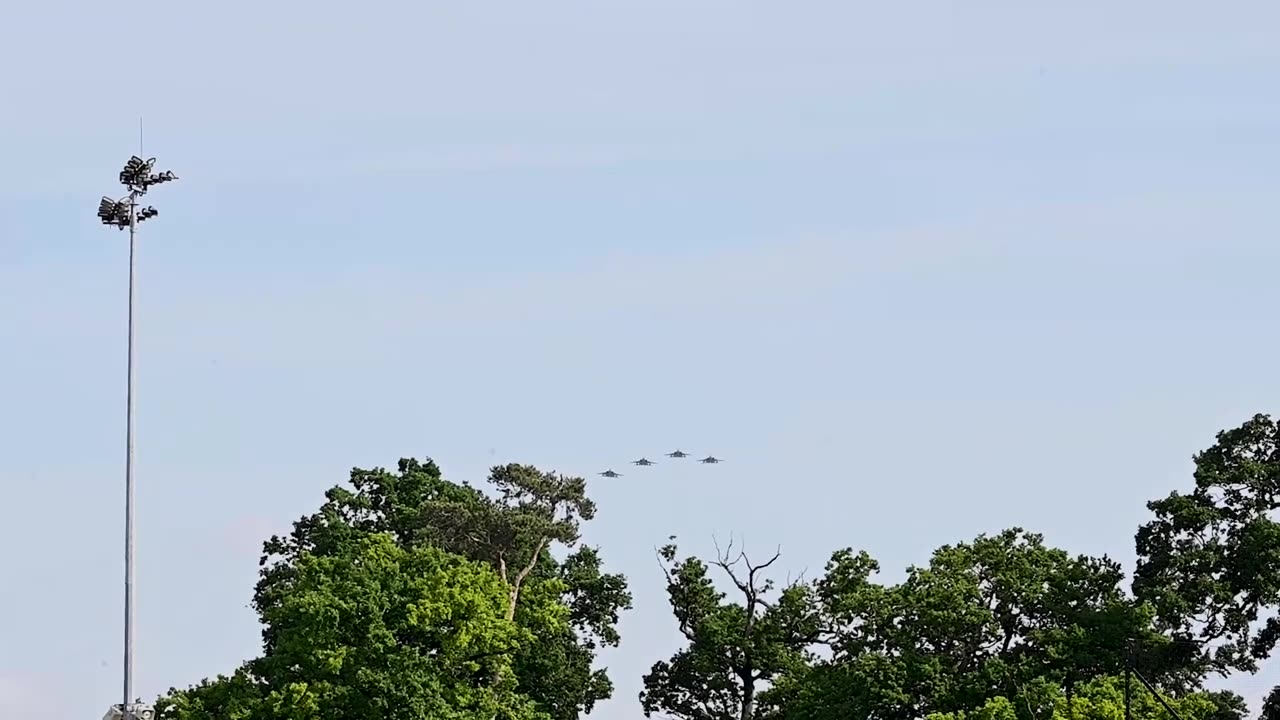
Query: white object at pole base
{"type": "Point", "coordinates": [137, 711]}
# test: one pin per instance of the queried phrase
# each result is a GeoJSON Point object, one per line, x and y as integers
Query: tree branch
{"type": "Point", "coordinates": [533, 562]}
{"type": "Point", "coordinates": [520, 576]}
{"type": "Point", "coordinates": [727, 562]}
{"type": "Point", "coordinates": [684, 626]}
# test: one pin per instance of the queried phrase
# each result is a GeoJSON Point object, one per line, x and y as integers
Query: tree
{"type": "Point", "coordinates": [1271, 706]}
{"type": "Point", "coordinates": [377, 630]}
{"type": "Point", "coordinates": [533, 510]}
{"type": "Point", "coordinates": [869, 685]}
{"type": "Point", "coordinates": [984, 619]}
{"type": "Point", "coordinates": [1227, 705]}
{"type": "Point", "coordinates": [557, 668]}
{"type": "Point", "coordinates": [1101, 698]}
{"type": "Point", "coordinates": [511, 532]}
{"type": "Point", "coordinates": [1209, 562]}
{"type": "Point", "coordinates": [734, 648]}
{"type": "Point", "coordinates": [1032, 610]}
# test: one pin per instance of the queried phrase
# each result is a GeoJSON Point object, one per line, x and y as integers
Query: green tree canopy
{"type": "Point", "coordinates": [1271, 706]}
{"type": "Point", "coordinates": [377, 630]}
{"type": "Point", "coordinates": [1101, 698]}
{"type": "Point", "coordinates": [565, 610]}
{"type": "Point", "coordinates": [734, 646]}
{"type": "Point", "coordinates": [1209, 562]}
{"type": "Point", "coordinates": [982, 619]}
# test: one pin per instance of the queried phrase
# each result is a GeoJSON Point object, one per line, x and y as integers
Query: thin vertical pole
{"type": "Point", "coordinates": [125, 708]}
{"type": "Point", "coordinates": [128, 481]}
{"type": "Point", "coordinates": [1128, 675]}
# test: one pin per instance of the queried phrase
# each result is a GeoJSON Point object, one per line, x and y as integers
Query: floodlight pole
{"type": "Point", "coordinates": [138, 177]}
{"type": "Point", "coordinates": [127, 700]}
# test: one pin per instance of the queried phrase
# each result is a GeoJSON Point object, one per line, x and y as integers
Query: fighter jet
{"type": "Point", "coordinates": [678, 454]}
{"type": "Point", "coordinates": [611, 474]}
{"type": "Point", "coordinates": [709, 460]}
{"type": "Point", "coordinates": [643, 461]}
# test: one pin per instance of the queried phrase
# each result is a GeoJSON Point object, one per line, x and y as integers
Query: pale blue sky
{"type": "Point", "coordinates": [917, 270]}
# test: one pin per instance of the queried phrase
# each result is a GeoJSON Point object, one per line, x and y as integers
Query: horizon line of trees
{"type": "Point", "coordinates": [406, 595]}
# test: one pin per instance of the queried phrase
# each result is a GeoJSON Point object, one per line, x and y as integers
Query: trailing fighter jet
{"type": "Point", "coordinates": [677, 454]}
{"type": "Point", "coordinates": [709, 460]}
{"type": "Point", "coordinates": [610, 473]}
{"type": "Point", "coordinates": [643, 461]}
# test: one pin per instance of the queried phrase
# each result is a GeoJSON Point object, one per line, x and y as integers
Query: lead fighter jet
{"type": "Point", "coordinates": [710, 460]}
{"type": "Point", "coordinates": [611, 474]}
{"type": "Point", "coordinates": [677, 454]}
{"type": "Point", "coordinates": [643, 461]}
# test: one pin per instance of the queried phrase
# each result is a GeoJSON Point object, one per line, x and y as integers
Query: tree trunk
{"type": "Point", "coordinates": [518, 582]}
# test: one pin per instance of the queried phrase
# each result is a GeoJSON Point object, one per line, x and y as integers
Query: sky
{"type": "Point", "coordinates": [917, 271]}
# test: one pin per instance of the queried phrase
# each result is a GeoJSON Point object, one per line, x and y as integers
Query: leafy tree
{"type": "Point", "coordinates": [1033, 610]}
{"type": "Point", "coordinates": [377, 630]}
{"type": "Point", "coordinates": [1101, 698]}
{"type": "Point", "coordinates": [1228, 705]}
{"type": "Point", "coordinates": [556, 668]}
{"type": "Point", "coordinates": [870, 685]}
{"type": "Point", "coordinates": [734, 648]}
{"type": "Point", "coordinates": [1271, 706]}
{"type": "Point", "coordinates": [511, 532]}
{"type": "Point", "coordinates": [997, 708]}
{"type": "Point", "coordinates": [1209, 562]}
{"type": "Point", "coordinates": [983, 619]}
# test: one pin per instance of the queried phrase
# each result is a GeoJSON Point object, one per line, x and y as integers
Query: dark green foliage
{"type": "Point", "coordinates": [1101, 698]}
{"type": "Point", "coordinates": [377, 630]}
{"type": "Point", "coordinates": [1271, 706]}
{"type": "Point", "coordinates": [995, 617]}
{"type": "Point", "coordinates": [1209, 563]}
{"type": "Point", "coordinates": [984, 618]}
{"type": "Point", "coordinates": [1227, 706]}
{"type": "Point", "coordinates": [561, 612]}
{"type": "Point", "coordinates": [734, 647]}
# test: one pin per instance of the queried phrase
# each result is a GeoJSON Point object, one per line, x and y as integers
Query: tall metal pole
{"type": "Point", "coordinates": [138, 177]}
{"type": "Point", "coordinates": [128, 478]}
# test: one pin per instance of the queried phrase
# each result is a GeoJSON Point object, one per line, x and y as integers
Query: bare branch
{"type": "Point", "coordinates": [723, 556]}
{"type": "Point", "coordinates": [799, 580]}
{"type": "Point", "coordinates": [728, 569]}
{"type": "Point", "coordinates": [751, 578]}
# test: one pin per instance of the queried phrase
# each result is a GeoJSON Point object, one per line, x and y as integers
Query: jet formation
{"type": "Point", "coordinates": [645, 462]}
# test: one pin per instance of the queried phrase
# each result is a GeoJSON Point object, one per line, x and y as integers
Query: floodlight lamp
{"type": "Point", "coordinates": [135, 711]}
{"type": "Point", "coordinates": [131, 170]}
{"type": "Point", "coordinates": [164, 177]}
{"type": "Point", "coordinates": [113, 212]}
{"type": "Point", "coordinates": [137, 173]}
{"type": "Point", "coordinates": [107, 210]}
